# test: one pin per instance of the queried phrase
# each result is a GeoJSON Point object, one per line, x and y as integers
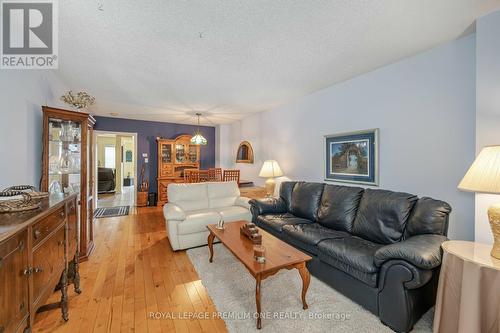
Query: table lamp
{"type": "Point", "coordinates": [270, 169]}
{"type": "Point", "coordinates": [484, 177]}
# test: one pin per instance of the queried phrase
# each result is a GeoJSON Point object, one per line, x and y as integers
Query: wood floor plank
{"type": "Point", "coordinates": [132, 273]}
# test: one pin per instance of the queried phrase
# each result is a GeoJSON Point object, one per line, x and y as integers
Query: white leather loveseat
{"type": "Point", "coordinates": [191, 207]}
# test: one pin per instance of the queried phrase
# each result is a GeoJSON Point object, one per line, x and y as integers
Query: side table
{"type": "Point", "coordinates": [468, 297]}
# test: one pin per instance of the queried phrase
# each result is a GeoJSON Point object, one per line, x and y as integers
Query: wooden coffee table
{"type": "Point", "coordinates": [279, 255]}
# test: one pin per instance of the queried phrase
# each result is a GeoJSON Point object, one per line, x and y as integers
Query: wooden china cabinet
{"type": "Point", "coordinates": [175, 156]}
{"type": "Point", "coordinates": [67, 160]}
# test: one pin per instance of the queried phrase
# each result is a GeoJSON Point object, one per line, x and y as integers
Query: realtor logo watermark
{"type": "Point", "coordinates": [29, 34]}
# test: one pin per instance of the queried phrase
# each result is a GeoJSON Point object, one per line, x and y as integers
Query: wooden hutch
{"type": "Point", "coordinates": [67, 160]}
{"type": "Point", "coordinates": [175, 156]}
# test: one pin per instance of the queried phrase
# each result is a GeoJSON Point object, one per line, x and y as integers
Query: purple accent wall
{"type": "Point", "coordinates": [147, 132]}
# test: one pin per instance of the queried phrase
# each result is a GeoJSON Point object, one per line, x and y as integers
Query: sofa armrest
{"type": "Point", "coordinates": [423, 251]}
{"type": "Point", "coordinates": [268, 206]}
{"type": "Point", "coordinates": [173, 212]}
{"type": "Point", "coordinates": [242, 202]}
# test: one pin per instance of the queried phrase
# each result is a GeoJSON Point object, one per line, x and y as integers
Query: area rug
{"type": "Point", "coordinates": [232, 290]}
{"type": "Point", "coordinates": [111, 211]}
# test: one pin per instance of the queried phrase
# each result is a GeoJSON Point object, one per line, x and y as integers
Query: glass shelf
{"type": "Point", "coordinates": [65, 160]}
{"type": "Point", "coordinates": [64, 173]}
{"type": "Point", "coordinates": [68, 142]}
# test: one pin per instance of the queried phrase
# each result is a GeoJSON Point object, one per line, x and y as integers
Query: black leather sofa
{"type": "Point", "coordinates": [105, 180]}
{"type": "Point", "coordinates": [380, 248]}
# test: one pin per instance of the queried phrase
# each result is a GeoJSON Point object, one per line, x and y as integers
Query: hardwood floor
{"type": "Point", "coordinates": [125, 198]}
{"type": "Point", "coordinates": [131, 273]}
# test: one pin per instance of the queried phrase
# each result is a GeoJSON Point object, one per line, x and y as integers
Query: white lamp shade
{"type": "Point", "coordinates": [270, 168]}
{"type": "Point", "coordinates": [484, 174]}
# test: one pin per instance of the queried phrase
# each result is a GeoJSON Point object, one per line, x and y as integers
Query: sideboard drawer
{"type": "Point", "coordinates": [47, 225]}
{"type": "Point", "coordinates": [167, 170]}
{"type": "Point", "coordinates": [14, 294]}
{"type": "Point", "coordinates": [48, 263]}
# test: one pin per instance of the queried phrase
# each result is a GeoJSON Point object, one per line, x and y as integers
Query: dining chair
{"type": "Point", "coordinates": [186, 176]}
{"type": "Point", "coordinates": [214, 174]}
{"type": "Point", "coordinates": [194, 176]}
{"type": "Point", "coordinates": [230, 175]}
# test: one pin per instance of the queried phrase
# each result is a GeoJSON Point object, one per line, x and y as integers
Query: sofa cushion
{"type": "Point", "coordinates": [286, 189]}
{"type": "Point", "coordinates": [277, 221]}
{"type": "Point", "coordinates": [382, 215]}
{"type": "Point", "coordinates": [197, 221]}
{"type": "Point", "coordinates": [188, 196]}
{"type": "Point", "coordinates": [429, 216]}
{"type": "Point", "coordinates": [222, 194]}
{"type": "Point", "coordinates": [353, 255]}
{"type": "Point", "coordinates": [305, 200]}
{"type": "Point", "coordinates": [234, 213]}
{"type": "Point", "coordinates": [338, 206]}
{"type": "Point", "coordinates": [307, 236]}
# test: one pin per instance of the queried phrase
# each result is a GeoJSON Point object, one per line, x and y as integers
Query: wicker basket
{"type": "Point", "coordinates": [25, 202]}
{"type": "Point", "coordinates": [27, 189]}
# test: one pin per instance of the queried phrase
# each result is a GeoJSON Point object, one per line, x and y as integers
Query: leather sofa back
{"type": "Point", "coordinates": [286, 190]}
{"type": "Point", "coordinates": [338, 207]}
{"type": "Point", "coordinates": [305, 200]}
{"type": "Point", "coordinates": [429, 216]}
{"type": "Point", "coordinates": [382, 215]}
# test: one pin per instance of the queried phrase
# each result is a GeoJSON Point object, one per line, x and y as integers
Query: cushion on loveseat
{"type": "Point", "coordinates": [429, 216]}
{"type": "Point", "coordinates": [234, 213]}
{"type": "Point", "coordinates": [276, 222]}
{"type": "Point", "coordinates": [197, 221]}
{"type": "Point", "coordinates": [222, 194]}
{"type": "Point", "coordinates": [307, 236]}
{"type": "Point", "coordinates": [382, 215]}
{"type": "Point", "coordinates": [305, 200]}
{"type": "Point", "coordinates": [338, 206]}
{"type": "Point", "coordinates": [353, 255]}
{"type": "Point", "coordinates": [189, 196]}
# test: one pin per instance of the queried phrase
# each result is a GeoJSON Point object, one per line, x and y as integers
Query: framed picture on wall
{"type": "Point", "coordinates": [352, 157]}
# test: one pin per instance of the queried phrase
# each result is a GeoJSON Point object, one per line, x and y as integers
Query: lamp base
{"type": "Point", "coordinates": [494, 217]}
{"type": "Point", "coordinates": [271, 184]}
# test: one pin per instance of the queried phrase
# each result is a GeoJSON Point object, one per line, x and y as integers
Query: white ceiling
{"type": "Point", "coordinates": [165, 60]}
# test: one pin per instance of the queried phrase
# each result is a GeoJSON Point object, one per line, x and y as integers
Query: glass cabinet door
{"type": "Point", "coordinates": [180, 153]}
{"type": "Point", "coordinates": [64, 156]}
{"type": "Point", "coordinates": [193, 153]}
{"type": "Point", "coordinates": [166, 153]}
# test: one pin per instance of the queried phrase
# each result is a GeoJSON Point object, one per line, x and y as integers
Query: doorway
{"type": "Point", "coordinates": [115, 168]}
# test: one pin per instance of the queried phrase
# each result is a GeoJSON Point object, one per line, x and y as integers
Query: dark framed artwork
{"type": "Point", "coordinates": [352, 157]}
{"type": "Point", "coordinates": [128, 156]}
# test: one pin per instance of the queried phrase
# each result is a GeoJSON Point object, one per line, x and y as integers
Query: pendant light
{"type": "Point", "coordinates": [197, 138]}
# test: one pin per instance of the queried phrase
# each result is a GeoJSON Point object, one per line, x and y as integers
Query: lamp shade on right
{"type": "Point", "coordinates": [270, 168]}
{"type": "Point", "coordinates": [483, 175]}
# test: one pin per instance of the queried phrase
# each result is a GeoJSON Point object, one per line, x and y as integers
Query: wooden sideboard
{"type": "Point", "coordinates": [175, 156]}
{"type": "Point", "coordinates": [253, 192]}
{"type": "Point", "coordinates": [38, 254]}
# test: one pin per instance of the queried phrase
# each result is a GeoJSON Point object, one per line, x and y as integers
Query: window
{"type": "Point", "coordinates": [109, 157]}
{"type": "Point", "coordinates": [244, 153]}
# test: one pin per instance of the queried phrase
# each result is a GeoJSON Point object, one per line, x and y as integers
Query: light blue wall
{"type": "Point", "coordinates": [424, 107]}
{"type": "Point", "coordinates": [487, 107]}
{"type": "Point", "coordinates": [22, 94]}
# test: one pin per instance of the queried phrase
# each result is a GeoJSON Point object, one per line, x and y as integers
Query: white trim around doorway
{"type": "Point", "coordinates": [94, 168]}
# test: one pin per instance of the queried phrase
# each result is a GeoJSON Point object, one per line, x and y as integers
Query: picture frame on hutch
{"type": "Point", "coordinates": [352, 157]}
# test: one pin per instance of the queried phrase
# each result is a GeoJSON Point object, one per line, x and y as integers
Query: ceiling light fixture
{"type": "Point", "coordinates": [197, 138]}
